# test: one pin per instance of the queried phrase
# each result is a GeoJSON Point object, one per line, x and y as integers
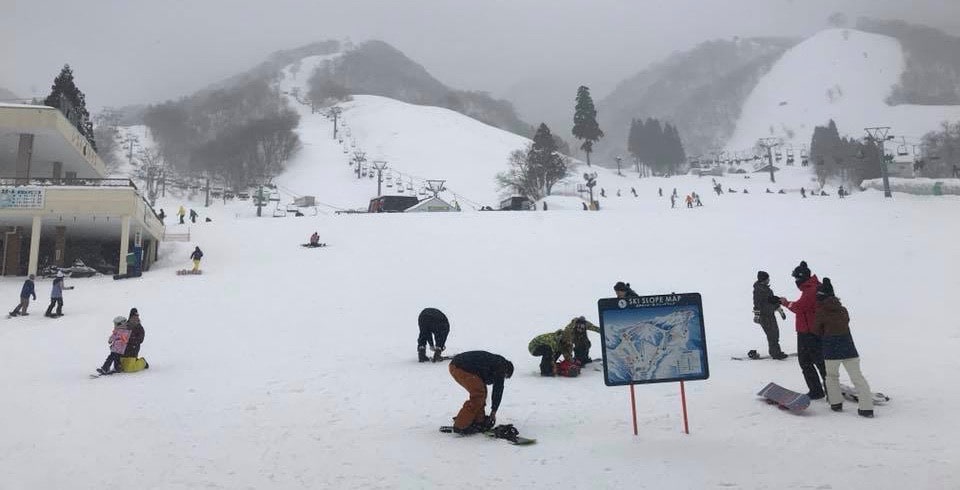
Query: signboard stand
{"type": "Point", "coordinates": [653, 339]}
{"type": "Point", "coordinates": [683, 403]}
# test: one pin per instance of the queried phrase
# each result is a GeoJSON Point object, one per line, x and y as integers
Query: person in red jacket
{"type": "Point", "coordinates": [809, 353]}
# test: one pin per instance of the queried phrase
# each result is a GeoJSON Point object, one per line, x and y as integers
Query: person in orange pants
{"type": "Point", "coordinates": [474, 370]}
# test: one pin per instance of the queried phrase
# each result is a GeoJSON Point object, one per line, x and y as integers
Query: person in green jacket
{"type": "Point", "coordinates": [549, 347]}
{"type": "Point", "coordinates": [575, 335]}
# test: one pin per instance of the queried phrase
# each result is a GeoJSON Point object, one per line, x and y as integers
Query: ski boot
{"type": "Point", "coordinates": [422, 354]}
{"type": "Point", "coordinates": [865, 413]}
{"type": "Point", "coordinates": [836, 407]}
{"type": "Point", "coordinates": [437, 354]}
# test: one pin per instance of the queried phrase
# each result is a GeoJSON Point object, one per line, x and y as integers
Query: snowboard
{"type": "Point", "coordinates": [53, 315]}
{"type": "Point", "coordinates": [108, 373]}
{"type": "Point", "coordinates": [748, 358]}
{"type": "Point", "coordinates": [850, 393]}
{"type": "Point", "coordinates": [307, 245]}
{"type": "Point", "coordinates": [189, 272]}
{"type": "Point", "coordinates": [516, 441]}
{"type": "Point", "coordinates": [784, 398]}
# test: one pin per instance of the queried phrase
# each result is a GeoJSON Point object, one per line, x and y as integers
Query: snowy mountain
{"type": "Point", "coordinates": [7, 96]}
{"type": "Point", "coordinates": [840, 74]}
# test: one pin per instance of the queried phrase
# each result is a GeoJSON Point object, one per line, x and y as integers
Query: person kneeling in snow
{"type": "Point", "coordinates": [314, 240]}
{"type": "Point", "coordinates": [130, 362]}
{"type": "Point", "coordinates": [549, 347]}
{"type": "Point", "coordinates": [434, 328]}
{"type": "Point", "coordinates": [473, 371]}
{"type": "Point", "coordinates": [575, 333]}
{"type": "Point", "coordinates": [118, 343]}
{"type": "Point", "coordinates": [832, 324]}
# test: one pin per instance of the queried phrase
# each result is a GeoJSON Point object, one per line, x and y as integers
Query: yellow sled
{"type": "Point", "coordinates": [133, 364]}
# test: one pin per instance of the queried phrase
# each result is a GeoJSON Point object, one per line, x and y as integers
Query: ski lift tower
{"type": "Point", "coordinates": [769, 143]}
{"type": "Point", "coordinates": [435, 186]}
{"type": "Point", "coordinates": [878, 136]}
{"type": "Point", "coordinates": [380, 165]}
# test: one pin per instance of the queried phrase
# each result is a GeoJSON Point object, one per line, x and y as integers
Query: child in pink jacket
{"type": "Point", "coordinates": [118, 343]}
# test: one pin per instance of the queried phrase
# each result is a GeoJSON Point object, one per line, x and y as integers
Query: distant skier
{"type": "Point", "coordinates": [746, 191]}
{"type": "Point", "coordinates": [575, 333]}
{"type": "Point", "coordinates": [196, 256]}
{"type": "Point", "coordinates": [675, 192]}
{"type": "Point", "coordinates": [841, 192]}
{"type": "Point", "coordinates": [660, 191]}
{"type": "Point", "coordinates": [689, 200]}
{"type": "Point", "coordinates": [673, 201]}
{"type": "Point", "coordinates": [181, 213]}
{"type": "Point", "coordinates": [803, 193]}
{"type": "Point", "coordinates": [765, 304]}
{"type": "Point", "coordinates": [161, 215]}
{"type": "Point", "coordinates": [193, 216]}
{"type": "Point", "coordinates": [118, 343]}
{"type": "Point", "coordinates": [809, 353]}
{"type": "Point", "coordinates": [473, 371]}
{"type": "Point", "coordinates": [434, 329]}
{"type": "Point", "coordinates": [769, 191]}
{"type": "Point", "coordinates": [603, 193]}
{"type": "Point", "coordinates": [549, 347]}
{"type": "Point", "coordinates": [832, 324]}
{"type": "Point", "coordinates": [618, 192]}
{"type": "Point", "coordinates": [26, 292]}
{"type": "Point", "coordinates": [634, 191]}
{"type": "Point", "coordinates": [585, 208]}
{"type": "Point", "coordinates": [696, 197]}
{"type": "Point", "coordinates": [314, 240]}
{"type": "Point", "coordinates": [544, 205]}
{"type": "Point", "coordinates": [623, 290]}
{"type": "Point", "coordinates": [56, 296]}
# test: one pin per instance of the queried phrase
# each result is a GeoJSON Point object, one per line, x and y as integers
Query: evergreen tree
{"type": "Point", "coordinates": [585, 126]}
{"type": "Point", "coordinates": [534, 171]}
{"type": "Point", "coordinates": [65, 96]}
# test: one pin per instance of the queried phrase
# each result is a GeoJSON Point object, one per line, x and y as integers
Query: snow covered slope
{"type": "Point", "coordinates": [841, 74]}
{"type": "Point", "coordinates": [284, 367]}
{"type": "Point", "coordinates": [417, 142]}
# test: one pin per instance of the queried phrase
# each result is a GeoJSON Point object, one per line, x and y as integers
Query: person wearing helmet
{"type": "Point", "coordinates": [118, 344]}
{"type": "Point", "coordinates": [575, 334]}
{"type": "Point", "coordinates": [56, 297]}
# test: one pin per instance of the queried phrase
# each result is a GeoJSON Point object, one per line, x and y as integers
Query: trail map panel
{"type": "Point", "coordinates": [653, 339]}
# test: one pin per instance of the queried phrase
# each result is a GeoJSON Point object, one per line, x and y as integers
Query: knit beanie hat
{"type": "Point", "coordinates": [825, 290]}
{"type": "Point", "coordinates": [621, 286]}
{"type": "Point", "coordinates": [801, 272]}
{"type": "Point", "coordinates": [762, 276]}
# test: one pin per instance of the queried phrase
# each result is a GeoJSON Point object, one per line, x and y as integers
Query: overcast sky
{"type": "Point", "coordinates": [143, 51]}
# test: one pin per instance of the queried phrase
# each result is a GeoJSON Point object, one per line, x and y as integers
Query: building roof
{"type": "Point", "coordinates": [432, 202]}
{"type": "Point", "coordinates": [55, 140]}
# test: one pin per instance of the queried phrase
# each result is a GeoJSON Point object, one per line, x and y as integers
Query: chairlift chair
{"type": "Point", "coordinates": [902, 150]}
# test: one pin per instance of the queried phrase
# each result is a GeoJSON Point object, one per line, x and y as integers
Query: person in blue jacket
{"type": "Point", "coordinates": [26, 292]}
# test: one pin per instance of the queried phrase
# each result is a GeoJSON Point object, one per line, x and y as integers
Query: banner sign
{"type": "Point", "coordinates": [21, 197]}
{"type": "Point", "coordinates": [653, 339]}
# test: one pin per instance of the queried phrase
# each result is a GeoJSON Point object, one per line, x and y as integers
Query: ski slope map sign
{"type": "Point", "coordinates": [653, 339]}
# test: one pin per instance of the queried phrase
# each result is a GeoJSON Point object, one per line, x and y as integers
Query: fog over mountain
{"type": "Point", "coordinates": [532, 51]}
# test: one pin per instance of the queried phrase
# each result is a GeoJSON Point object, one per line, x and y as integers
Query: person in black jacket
{"type": "Point", "coordinates": [434, 328]}
{"type": "Point", "coordinates": [623, 290]}
{"type": "Point", "coordinates": [474, 370]}
{"type": "Point", "coordinates": [137, 334]}
{"type": "Point", "coordinates": [26, 292]}
{"type": "Point", "coordinates": [196, 256]}
{"type": "Point", "coordinates": [765, 305]}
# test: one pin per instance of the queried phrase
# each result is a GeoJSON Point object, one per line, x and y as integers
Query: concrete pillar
{"type": "Point", "coordinates": [11, 250]}
{"type": "Point", "coordinates": [57, 171]}
{"type": "Point", "coordinates": [60, 246]}
{"type": "Point", "coordinates": [24, 157]}
{"type": "Point", "coordinates": [124, 243]}
{"type": "Point", "coordinates": [34, 246]}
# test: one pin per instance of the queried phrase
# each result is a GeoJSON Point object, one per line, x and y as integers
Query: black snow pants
{"type": "Point", "coordinates": [434, 329]}
{"type": "Point", "coordinates": [810, 356]}
{"type": "Point", "coordinates": [581, 347]}
{"type": "Point", "coordinates": [58, 302]}
{"type": "Point", "coordinates": [548, 359]}
{"type": "Point", "coordinates": [772, 331]}
{"type": "Point", "coordinates": [114, 359]}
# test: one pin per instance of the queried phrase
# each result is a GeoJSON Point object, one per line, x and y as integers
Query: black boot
{"type": "Point", "coordinates": [422, 354]}
{"type": "Point", "coordinates": [836, 407]}
{"type": "Point", "coordinates": [865, 413]}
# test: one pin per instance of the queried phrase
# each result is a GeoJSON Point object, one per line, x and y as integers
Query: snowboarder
{"type": "Point", "coordinates": [549, 347]}
{"type": "Point", "coordinates": [193, 216]}
{"type": "Point", "coordinates": [781, 191]}
{"type": "Point", "coordinates": [673, 201]}
{"type": "Point", "coordinates": [181, 213]}
{"type": "Point", "coordinates": [314, 240]}
{"type": "Point", "coordinates": [765, 304]}
{"type": "Point", "coordinates": [131, 360]}
{"type": "Point", "coordinates": [809, 353]}
{"type": "Point", "coordinates": [603, 193]}
{"type": "Point", "coordinates": [832, 324]}
{"type": "Point", "coordinates": [575, 333]}
{"type": "Point", "coordinates": [473, 371]}
{"type": "Point", "coordinates": [161, 215]}
{"type": "Point", "coordinates": [660, 191]}
{"type": "Point", "coordinates": [841, 192]}
{"type": "Point", "coordinates": [434, 328]}
{"type": "Point", "coordinates": [689, 201]}
{"type": "Point", "coordinates": [26, 292]}
{"type": "Point", "coordinates": [803, 193]}
{"type": "Point", "coordinates": [196, 256]}
{"type": "Point", "coordinates": [769, 191]}
{"type": "Point", "coordinates": [118, 343]}
{"type": "Point", "coordinates": [746, 191]}
{"type": "Point", "coordinates": [696, 198]}
{"type": "Point", "coordinates": [675, 192]}
{"type": "Point", "coordinates": [544, 205]}
{"type": "Point", "coordinates": [634, 191]}
{"type": "Point", "coordinates": [585, 208]}
{"type": "Point", "coordinates": [618, 192]}
{"type": "Point", "coordinates": [56, 296]}
{"type": "Point", "coordinates": [623, 290]}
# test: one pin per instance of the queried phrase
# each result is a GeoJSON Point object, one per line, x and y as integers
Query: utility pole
{"type": "Point", "coordinates": [207, 197]}
{"type": "Point", "coordinates": [259, 200]}
{"type": "Point", "coordinates": [769, 143]}
{"type": "Point", "coordinates": [335, 111]}
{"type": "Point", "coordinates": [380, 165]}
{"type": "Point", "coordinates": [878, 135]}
